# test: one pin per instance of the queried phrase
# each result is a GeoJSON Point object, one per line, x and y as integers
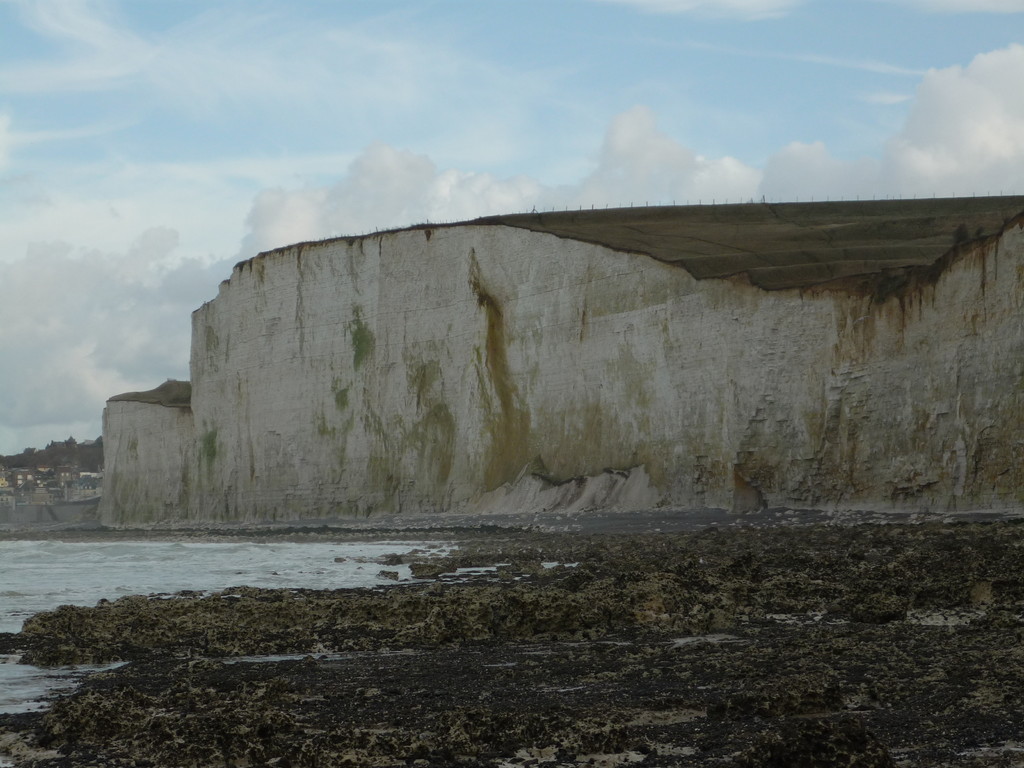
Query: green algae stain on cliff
{"type": "Point", "coordinates": [507, 421]}
{"type": "Point", "coordinates": [432, 441]}
{"type": "Point", "coordinates": [208, 448]}
{"type": "Point", "coordinates": [362, 339]}
{"type": "Point", "coordinates": [421, 378]}
{"type": "Point", "coordinates": [130, 507]}
{"type": "Point", "coordinates": [429, 443]}
{"type": "Point", "coordinates": [322, 427]}
{"type": "Point", "coordinates": [340, 395]}
{"type": "Point", "coordinates": [382, 462]}
{"type": "Point", "coordinates": [337, 426]}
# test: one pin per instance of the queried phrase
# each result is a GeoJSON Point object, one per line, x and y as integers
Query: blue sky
{"type": "Point", "coordinates": [146, 146]}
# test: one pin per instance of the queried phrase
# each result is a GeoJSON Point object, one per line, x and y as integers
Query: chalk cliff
{"type": "Point", "coordinates": [832, 355]}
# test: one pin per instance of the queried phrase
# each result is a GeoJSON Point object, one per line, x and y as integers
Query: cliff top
{"type": "Point", "coordinates": [775, 245]}
{"type": "Point", "coordinates": [785, 245]}
{"type": "Point", "coordinates": [172, 394]}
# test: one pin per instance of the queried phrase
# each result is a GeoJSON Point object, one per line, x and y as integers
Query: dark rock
{"type": "Point", "coordinates": [740, 647]}
{"type": "Point", "coordinates": [818, 743]}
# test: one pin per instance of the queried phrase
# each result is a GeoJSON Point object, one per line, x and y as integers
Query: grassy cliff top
{"type": "Point", "coordinates": [785, 245]}
{"type": "Point", "coordinates": [173, 394]}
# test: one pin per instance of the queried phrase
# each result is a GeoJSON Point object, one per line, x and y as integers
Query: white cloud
{"type": "Point", "coordinates": [804, 172]}
{"type": "Point", "coordinates": [279, 217]}
{"type": "Point", "coordinates": [273, 66]}
{"type": "Point", "coordinates": [211, 61]}
{"type": "Point", "coordinates": [744, 9]}
{"type": "Point", "coordinates": [11, 139]}
{"type": "Point", "coordinates": [965, 6]}
{"type": "Point", "coordinates": [886, 98]}
{"type": "Point", "coordinates": [81, 327]}
{"type": "Point", "coordinates": [838, 62]}
{"type": "Point", "coordinates": [101, 206]}
{"type": "Point", "coordinates": [964, 135]}
{"type": "Point", "coordinates": [640, 163]}
{"type": "Point", "coordinates": [385, 187]}
{"type": "Point", "coordinates": [965, 128]}
{"type": "Point", "coordinates": [5, 140]}
{"type": "Point", "coordinates": [101, 55]}
{"type": "Point", "coordinates": [388, 187]}
{"type": "Point", "coordinates": [862, 65]}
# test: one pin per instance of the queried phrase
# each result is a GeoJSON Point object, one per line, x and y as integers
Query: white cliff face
{"type": "Point", "coordinates": [149, 449]}
{"type": "Point", "coordinates": [483, 366]}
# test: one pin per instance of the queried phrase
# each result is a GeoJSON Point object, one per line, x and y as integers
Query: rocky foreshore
{"type": "Point", "coordinates": [896, 645]}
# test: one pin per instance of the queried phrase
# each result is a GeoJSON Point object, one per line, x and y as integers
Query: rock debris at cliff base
{"type": "Point", "coordinates": [815, 646]}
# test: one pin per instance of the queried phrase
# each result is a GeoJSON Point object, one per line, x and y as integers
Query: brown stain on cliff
{"type": "Point", "coordinates": [508, 425]}
{"type": "Point", "coordinates": [433, 436]}
{"type": "Point", "coordinates": [910, 285]}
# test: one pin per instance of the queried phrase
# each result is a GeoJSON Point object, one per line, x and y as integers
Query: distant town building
{"type": "Point", "coordinates": [23, 478]}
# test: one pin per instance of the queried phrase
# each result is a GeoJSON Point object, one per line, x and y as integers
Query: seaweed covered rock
{"type": "Point", "coordinates": [814, 646]}
{"type": "Point", "coordinates": [818, 743]}
{"type": "Point", "coordinates": [681, 583]}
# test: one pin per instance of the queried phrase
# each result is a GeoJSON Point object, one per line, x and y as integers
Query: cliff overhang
{"type": "Point", "coordinates": [171, 394]}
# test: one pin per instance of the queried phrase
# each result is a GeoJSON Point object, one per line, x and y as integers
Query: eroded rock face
{"type": "Point", "coordinates": [490, 367]}
{"type": "Point", "coordinates": [732, 648]}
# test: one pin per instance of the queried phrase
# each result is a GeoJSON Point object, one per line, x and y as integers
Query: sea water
{"type": "Point", "coordinates": [41, 575]}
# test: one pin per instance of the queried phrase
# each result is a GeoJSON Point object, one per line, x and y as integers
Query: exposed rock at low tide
{"type": "Point", "coordinates": [819, 646]}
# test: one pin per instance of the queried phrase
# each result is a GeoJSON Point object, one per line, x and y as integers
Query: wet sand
{"type": "Point", "coordinates": [758, 643]}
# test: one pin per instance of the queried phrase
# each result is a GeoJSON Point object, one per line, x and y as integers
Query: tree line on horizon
{"type": "Point", "coordinates": [87, 457]}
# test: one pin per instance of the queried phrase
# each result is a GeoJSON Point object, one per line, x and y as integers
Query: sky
{"type": "Point", "coordinates": [146, 146]}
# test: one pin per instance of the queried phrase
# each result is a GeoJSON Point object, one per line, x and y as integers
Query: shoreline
{"type": "Point", "coordinates": [825, 644]}
{"type": "Point", "coordinates": [586, 522]}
